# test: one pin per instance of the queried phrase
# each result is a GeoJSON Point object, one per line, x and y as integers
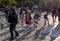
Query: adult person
{"type": "Point", "coordinates": [54, 12]}
{"type": "Point", "coordinates": [18, 12]}
{"type": "Point", "coordinates": [58, 13]}
{"type": "Point", "coordinates": [22, 17]}
{"type": "Point", "coordinates": [55, 22]}
{"type": "Point", "coordinates": [36, 18]}
{"type": "Point", "coordinates": [50, 21]}
{"type": "Point", "coordinates": [5, 10]}
{"type": "Point", "coordinates": [13, 20]}
{"type": "Point", "coordinates": [28, 18]}
{"type": "Point", "coordinates": [29, 14]}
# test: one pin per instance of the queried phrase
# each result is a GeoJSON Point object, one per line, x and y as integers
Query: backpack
{"type": "Point", "coordinates": [13, 17]}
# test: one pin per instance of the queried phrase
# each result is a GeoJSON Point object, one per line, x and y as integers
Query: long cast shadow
{"type": "Point", "coordinates": [4, 33]}
{"type": "Point", "coordinates": [25, 35]}
{"type": "Point", "coordinates": [9, 31]}
{"type": "Point", "coordinates": [9, 36]}
{"type": "Point", "coordinates": [38, 31]}
{"type": "Point", "coordinates": [28, 31]}
{"type": "Point", "coordinates": [55, 32]}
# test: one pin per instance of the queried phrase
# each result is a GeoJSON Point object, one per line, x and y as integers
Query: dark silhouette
{"type": "Point", "coordinates": [13, 20]}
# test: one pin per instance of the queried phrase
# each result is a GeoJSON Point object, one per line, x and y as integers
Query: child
{"type": "Point", "coordinates": [27, 20]}
{"type": "Point", "coordinates": [22, 18]}
{"type": "Point", "coordinates": [35, 19]}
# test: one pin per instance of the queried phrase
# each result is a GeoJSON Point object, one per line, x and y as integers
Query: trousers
{"type": "Point", "coordinates": [12, 29]}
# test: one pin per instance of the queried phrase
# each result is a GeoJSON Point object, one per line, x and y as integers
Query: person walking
{"type": "Point", "coordinates": [23, 18]}
{"type": "Point", "coordinates": [54, 23]}
{"type": "Point", "coordinates": [27, 20]}
{"type": "Point", "coordinates": [13, 20]}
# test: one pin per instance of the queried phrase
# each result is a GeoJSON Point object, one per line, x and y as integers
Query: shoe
{"type": "Point", "coordinates": [16, 36]}
{"type": "Point", "coordinates": [11, 38]}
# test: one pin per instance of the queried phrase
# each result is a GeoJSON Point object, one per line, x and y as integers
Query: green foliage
{"type": "Point", "coordinates": [42, 3]}
{"type": "Point", "coordinates": [8, 2]}
{"type": "Point", "coordinates": [22, 2]}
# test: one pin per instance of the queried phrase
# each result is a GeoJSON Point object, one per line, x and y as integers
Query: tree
{"type": "Point", "coordinates": [22, 2]}
{"type": "Point", "coordinates": [8, 2]}
{"type": "Point", "coordinates": [0, 2]}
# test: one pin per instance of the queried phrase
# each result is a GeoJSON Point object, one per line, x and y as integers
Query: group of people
{"type": "Point", "coordinates": [53, 17]}
{"type": "Point", "coordinates": [24, 15]}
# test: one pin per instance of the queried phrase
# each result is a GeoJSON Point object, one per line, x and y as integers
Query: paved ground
{"type": "Point", "coordinates": [26, 34]}
{"type": "Point", "coordinates": [31, 33]}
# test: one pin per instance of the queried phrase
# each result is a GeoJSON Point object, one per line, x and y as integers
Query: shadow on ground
{"type": "Point", "coordinates": [38, 31]}
{"type": "Point", "coordinates": [25, 34]}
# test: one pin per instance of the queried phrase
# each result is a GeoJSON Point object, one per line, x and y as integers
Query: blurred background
{"type": "Point", "coordinates": [30, 3]}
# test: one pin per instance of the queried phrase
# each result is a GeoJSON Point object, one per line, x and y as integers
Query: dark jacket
{"type": "Point", "coordinates": [13, 17]}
